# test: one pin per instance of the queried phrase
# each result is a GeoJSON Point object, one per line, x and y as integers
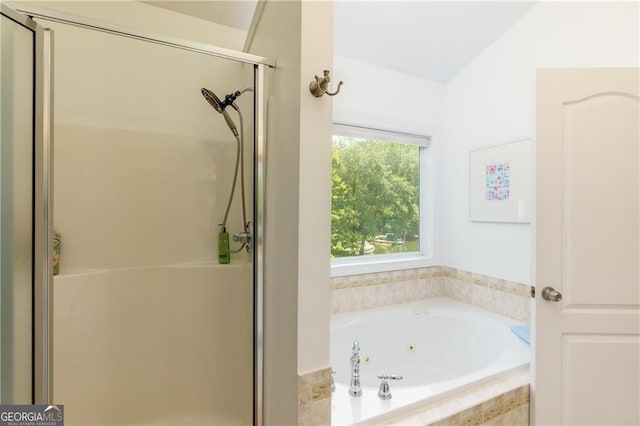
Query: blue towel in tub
{"type": "Point", "coordinates": [523, 332]}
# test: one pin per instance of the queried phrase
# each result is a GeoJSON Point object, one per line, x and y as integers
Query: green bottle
{"type": "Point", "coordinates": [224, 254]}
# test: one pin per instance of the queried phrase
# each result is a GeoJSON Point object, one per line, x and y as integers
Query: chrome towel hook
{"type": "Point", "coordinates": [320, 85]}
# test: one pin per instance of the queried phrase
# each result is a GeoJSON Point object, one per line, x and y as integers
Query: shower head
{"type": "Point", "coordinates": [213, 100]}
{"type": "Point", "coordinates": [219, 106]}
{"type": "Point", "coordinates": [229, 99]}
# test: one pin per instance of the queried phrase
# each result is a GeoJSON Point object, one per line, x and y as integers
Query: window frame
{"type": "Point", "coordinates": [343, 266]}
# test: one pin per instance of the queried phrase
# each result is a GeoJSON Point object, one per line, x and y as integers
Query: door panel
{"type": "Point", "coordinates": [588, 397]}
{"type": "Point", "coordinates": [600, 187]}
{"type": "Point", "coordinates": [145, 319]}
{"type": "Point", "coordinates": [587, 356]}
{"type": "Point", "coordinates": [16, 209]}
{"type": "Point", "coordinates": [25, 219]}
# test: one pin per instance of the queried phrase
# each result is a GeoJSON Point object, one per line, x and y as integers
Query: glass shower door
{"type": "Point", "coordinates": [149, 327]}
{"type": "Point", "coordinates": [24, 209]}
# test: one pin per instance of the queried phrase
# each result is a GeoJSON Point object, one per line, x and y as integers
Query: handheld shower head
{"type": "Point", "coordinates": [229, 99]}
{"type": "Point", "coordinates": [219, 106]}
{"type": "Point", "coordinates": [213, 100]}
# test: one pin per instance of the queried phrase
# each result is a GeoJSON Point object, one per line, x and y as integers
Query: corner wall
{"type": "Point", "coordinates": [492, 101]}
{"type": "Point", "coordinates": [298, 36]}
{"type": "Point", "coordinates": [281, 42]}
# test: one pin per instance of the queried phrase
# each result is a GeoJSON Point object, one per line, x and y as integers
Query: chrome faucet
{"type": "Point", "coordinates": [384, 392]}
{"type": "Point", "coordinates": [354, 384]}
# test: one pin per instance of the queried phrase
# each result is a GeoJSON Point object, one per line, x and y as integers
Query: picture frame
{"type": "Point", "coordinates": [500, 183]}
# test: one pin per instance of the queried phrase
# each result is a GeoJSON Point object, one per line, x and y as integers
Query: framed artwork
{"type": "Point", "coordinates": [500, 183]}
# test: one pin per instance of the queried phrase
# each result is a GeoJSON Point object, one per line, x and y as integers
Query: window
{"type": "Point", "coordinates": [381, 213]}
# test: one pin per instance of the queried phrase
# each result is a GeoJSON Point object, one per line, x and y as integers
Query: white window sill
{"type": "Point", "coordinates": [383, 263]}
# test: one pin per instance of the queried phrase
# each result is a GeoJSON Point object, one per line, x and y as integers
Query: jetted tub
{"type": "Point", "coordinates": [438, 345]}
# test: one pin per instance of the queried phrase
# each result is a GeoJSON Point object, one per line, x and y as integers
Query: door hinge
{"type": "Point", "coordinates": [532, 292]}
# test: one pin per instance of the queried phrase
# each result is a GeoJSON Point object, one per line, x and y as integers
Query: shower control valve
{"type": "Point", "coordinates": [384, 392]}
{"type": "Point", "coordinates": [244, 238]}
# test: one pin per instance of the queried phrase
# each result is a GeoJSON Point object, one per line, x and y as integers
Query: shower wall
{"type": "Point", "coordinates": [163, 345]}
{"type": "Point", "coordinates": [126, 198]}
{"type": "Point", "coordinates": [143, 165]}
{"type": "Point", "coordinates": [145, 17]}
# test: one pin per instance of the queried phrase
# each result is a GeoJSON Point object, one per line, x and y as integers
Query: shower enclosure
{"type": "Point", "coordinates": [148, 327]}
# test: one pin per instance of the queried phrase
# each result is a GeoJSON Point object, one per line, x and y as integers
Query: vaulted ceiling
{"type": "Point", "coordinates": [430, 39]}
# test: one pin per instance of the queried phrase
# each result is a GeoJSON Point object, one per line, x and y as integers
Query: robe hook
{"type": "Point", "coordinates": [320, 85]}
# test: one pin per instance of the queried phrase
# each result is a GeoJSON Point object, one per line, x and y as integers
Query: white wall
{"type": "Point", "coordinates": [382, 98]}
{"type": "Point", "coordinates": [298, 35]}
{"type": "Point", "coordinates": [278, 38]}
{"type": "Point", "coordinates": [314, 240]}
{"type": "Point", "coordinates": [492, 101]}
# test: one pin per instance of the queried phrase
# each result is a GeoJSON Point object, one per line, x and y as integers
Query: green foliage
{"type": "Point", "coordinates": [375, 192]}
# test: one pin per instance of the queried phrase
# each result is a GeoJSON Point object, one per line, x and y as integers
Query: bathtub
{"type": "Point", "coordinates": [151, 345]}
{"type": "Point", "coordinates": [439, 346]}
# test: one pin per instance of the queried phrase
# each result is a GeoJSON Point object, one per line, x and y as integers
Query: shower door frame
{"type": "Point", "coordinates": [43, 383]}
{"type": "Point", "coordinates": [42, 222]}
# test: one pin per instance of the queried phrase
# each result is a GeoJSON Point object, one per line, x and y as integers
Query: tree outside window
{"type": "Point", "coordinates": [375, 198]}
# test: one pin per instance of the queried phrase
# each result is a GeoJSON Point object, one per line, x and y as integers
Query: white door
{"type": "Point", "coordinates": [587, 345]}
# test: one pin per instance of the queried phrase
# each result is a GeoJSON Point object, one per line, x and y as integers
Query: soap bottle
{"type": "Point", "coordinates": [224, 253]}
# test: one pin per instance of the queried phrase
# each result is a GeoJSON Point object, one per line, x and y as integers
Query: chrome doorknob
{"type": "Point", "coordinates": [548, 293]}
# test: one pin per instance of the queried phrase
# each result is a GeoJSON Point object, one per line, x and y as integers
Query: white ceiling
{"type": "Point", "coordinates": [431, 39]}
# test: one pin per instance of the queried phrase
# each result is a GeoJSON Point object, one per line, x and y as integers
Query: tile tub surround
{"type": "Point", "coordinates": [503, 297]}
{"type": "Point", "coordinates": [356, 292]}
{"type": "Point", "coordinates": [314, 397]}
{"type": "Point", "coordinates": [502, 401]}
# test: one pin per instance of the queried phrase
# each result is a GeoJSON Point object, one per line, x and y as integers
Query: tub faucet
{"type": "Point", "coordinates": [384, 392]}
{"type": "Point", "coordinates": [354, 384]}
